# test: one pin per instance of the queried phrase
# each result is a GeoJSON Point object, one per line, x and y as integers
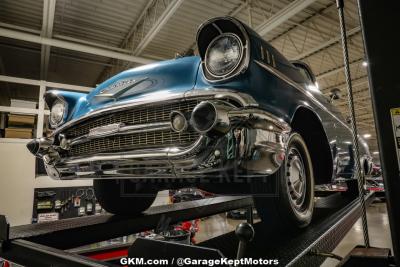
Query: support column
{"type": "Point", "coordinates": [380, 22]}
{"type": "Point", "coordinates": [40, 118]}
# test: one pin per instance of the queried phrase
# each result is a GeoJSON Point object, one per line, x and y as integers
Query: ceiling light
{"type": "Point", "coordinates": [365, 63]}
{"type": "Point", "coordinates": [375, 152]}
{"type": "Point", "coordinates": [367, 135]}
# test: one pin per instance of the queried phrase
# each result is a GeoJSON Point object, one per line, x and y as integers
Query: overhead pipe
{"type": "Point", "coordinates": [71, 46]}
{"type": "Point", "coordinates": [282, 16]}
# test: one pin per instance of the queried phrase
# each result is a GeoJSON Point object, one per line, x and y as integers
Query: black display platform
{"type": "Point", "coordinates": [44, 244]}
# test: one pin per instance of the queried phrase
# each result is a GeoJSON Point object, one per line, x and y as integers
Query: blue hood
{"type": "Point", "coordinates": [153, 80]}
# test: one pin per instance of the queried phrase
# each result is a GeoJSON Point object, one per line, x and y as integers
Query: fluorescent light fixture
{"type": "Point", "coordinates": [375, 152]}
{"type": "Point", "coordinates": [364, 63]}
{"type": "Point", "coordinates": [367, 135]}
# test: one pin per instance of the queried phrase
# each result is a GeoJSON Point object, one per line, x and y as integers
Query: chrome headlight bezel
{"type": "Point", "coordinates": [214, 28]}
{"type": "Point", "coordinates": [238, 60]}
{"type": "Point", "coordinates": [63, 115]}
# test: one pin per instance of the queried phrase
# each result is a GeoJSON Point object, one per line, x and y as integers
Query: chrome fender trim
{"type": "Point", "coordinates": [266, 139]}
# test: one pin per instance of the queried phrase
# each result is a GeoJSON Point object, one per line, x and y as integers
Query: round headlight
{"type": "Point", "coordinates": [57, 113]}
{"type": "Point", "coordinates": [223, 54]}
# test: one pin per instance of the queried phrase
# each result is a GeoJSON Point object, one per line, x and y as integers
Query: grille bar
{"type": "Point", "coordinates": [121, 143]}
{"type": "Point", "coordinates": [141, 115]}
{"type": "Point", "coordinates": [139, 140]}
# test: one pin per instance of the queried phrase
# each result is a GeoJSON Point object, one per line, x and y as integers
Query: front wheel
{"type": "Point", "coordinates": [292, 202]}
{"type": "Point", "coordinates": [124, 197]}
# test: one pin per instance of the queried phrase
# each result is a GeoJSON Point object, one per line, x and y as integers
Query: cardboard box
{"type": "Point", "coordinates": [23, 104]}
{"type": "Point", "coordinates": [18, 120]}
{"type": "Point", "coordinates": [24, 133]}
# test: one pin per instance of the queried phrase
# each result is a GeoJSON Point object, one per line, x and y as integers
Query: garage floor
{"type": "Point", "coordinates": [377, 221]}
{"type": "Point", "coordinates": [219, 224]}
{"type": "Point", "coordinates": [379, 233]}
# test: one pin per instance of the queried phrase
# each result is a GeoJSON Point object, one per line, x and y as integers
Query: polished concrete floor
{"type": "Point", "coordinates": [377, 222]}
{"type": "Point", "coordinates": [214, 226]}
{"type": "Point", "coordinates": [379, 233]}
{"type": "Point", "coordinates": [219, 224]}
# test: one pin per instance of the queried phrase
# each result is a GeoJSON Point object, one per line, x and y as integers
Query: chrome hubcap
{"type": "Point", "coordinates": [296, 178]}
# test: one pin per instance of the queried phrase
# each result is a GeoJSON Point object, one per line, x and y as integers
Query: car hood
{"type": "Point", "coordinates": [153, 81]}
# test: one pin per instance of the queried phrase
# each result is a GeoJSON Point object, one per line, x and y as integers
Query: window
{"type": "Point", "coordinates": [305, 75]}
{"type": "Point", "coordinates": [305, 72]}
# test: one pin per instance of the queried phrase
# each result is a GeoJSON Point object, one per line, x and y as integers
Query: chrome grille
{"type": "Point", "coordinates": [148, 114]}
{"type": "Point", "coordinates": [134, 141]}
{"type": "Point", "coordinates": [159, 112]}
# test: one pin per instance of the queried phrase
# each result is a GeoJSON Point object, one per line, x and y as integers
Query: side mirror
{"type": "Point", "coordinates": [334, 94]}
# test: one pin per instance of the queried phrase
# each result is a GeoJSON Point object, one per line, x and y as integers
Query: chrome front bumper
{"type": "Point", "coordinates": [253, 145]}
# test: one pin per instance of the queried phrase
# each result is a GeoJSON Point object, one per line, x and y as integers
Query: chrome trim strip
{"type": "Point", "coordinates": [280, 123]}
{"type": "Point", "coordinates": [138, 128]}
{"type": "Point", "coordinates": [244, 99]}
{"type": "Point", "coordinates": [140, 154]}
{"type": "Point", "coordinates": [285, 78]}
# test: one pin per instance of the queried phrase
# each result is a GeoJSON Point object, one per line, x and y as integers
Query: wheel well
{"type": "Point", "coordinates": [308, 125]}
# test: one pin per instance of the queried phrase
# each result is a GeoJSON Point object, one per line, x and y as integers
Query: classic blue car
{"type": "Point", "coordinates": [238, 118]}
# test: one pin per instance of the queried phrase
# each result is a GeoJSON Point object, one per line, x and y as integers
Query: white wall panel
{"type": "Point", "coordinates": [17, 181]}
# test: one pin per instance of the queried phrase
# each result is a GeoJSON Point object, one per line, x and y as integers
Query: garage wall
{"type": "Point", "coordinates": [17, 181]}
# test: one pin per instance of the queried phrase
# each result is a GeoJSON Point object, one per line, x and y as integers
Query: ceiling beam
{"type": "Point", "coordinates": [58, 54]}
{"type": "Point", "coordinates": [162, 20]}
{"type": "Point", "coordinates": [135, 25]}
{"type": "Point", "coordinates": [337, 69]}
{"type": "Point", "coordinates": [72, 46]}
{"type": "Point", "coordinates": [62, 86]}
{"type": "Point", "coordinates": [232, 13]}
{"type": "Point", "coordinates": [124, 44]}
{"type": "Point", "coordinates": [308, 20]}
{"type": "Point", "coordinates": [64, 37]}
{"type": "Point", "coordinates": [148, 25]}
{"type": "Point", "coordinates": [355, 82]}
{"type": "Point", "coordinates": [365, 116]}
{"type": "Point", "coordinates": [49, 7]}
{"type": "Point", "coordinates": [282, 16]}
{"type": "Point", "coordinates": [359, 99]}
{"type": "Point", "coordinates": [19, 28]}
{"type": "Point", "coordinates": [326, 44]}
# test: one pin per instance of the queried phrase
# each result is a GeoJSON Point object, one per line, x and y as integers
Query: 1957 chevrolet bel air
{"type": "Point", "coordinates": [238, 118]}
